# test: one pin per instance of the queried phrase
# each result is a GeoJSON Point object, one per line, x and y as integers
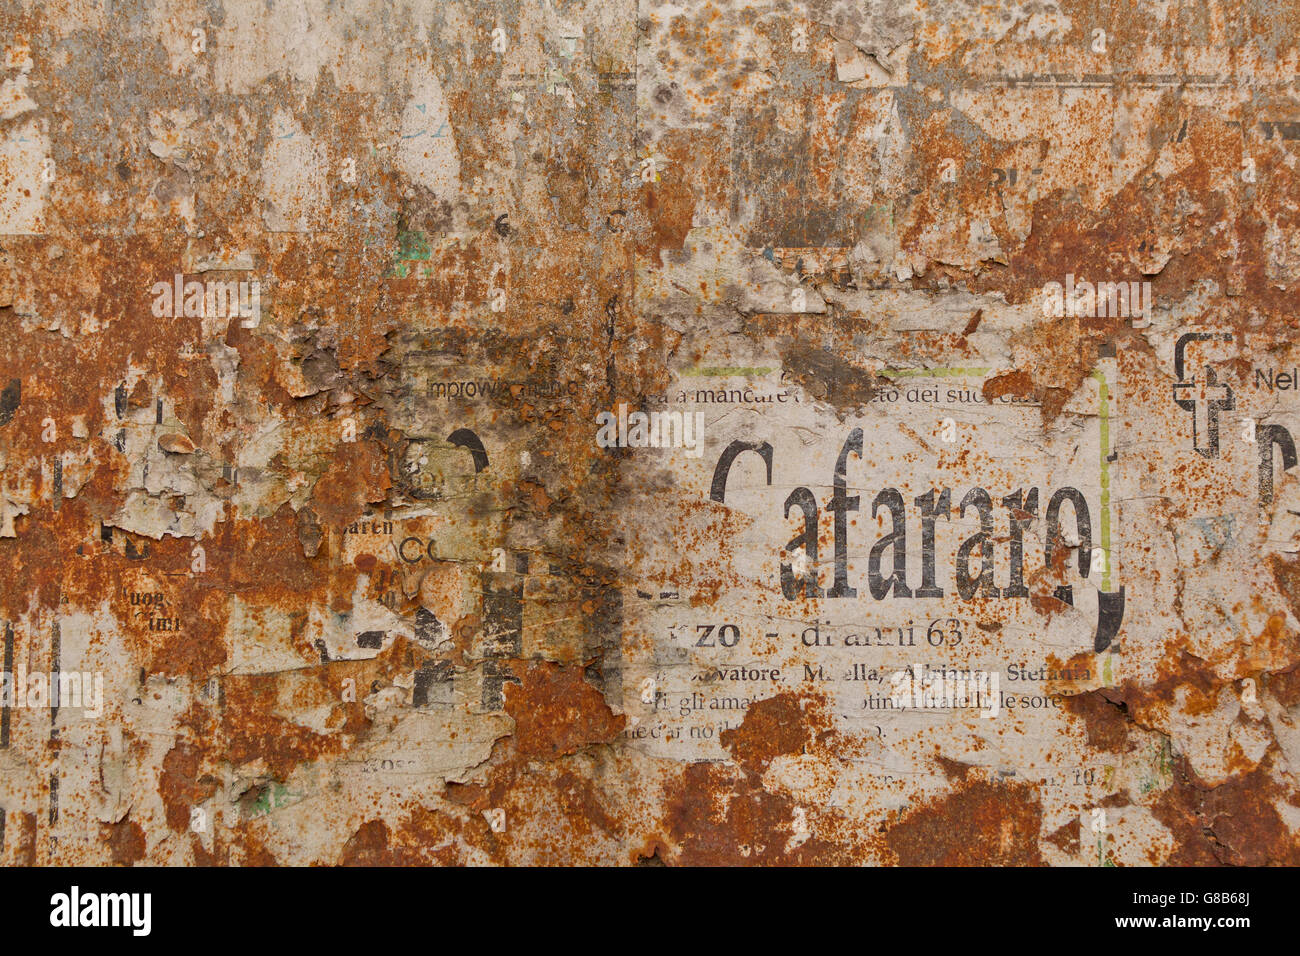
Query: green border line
{"type": "Point", "coordinates": [722, 370]}
{"type": "Point", "coordinates": [1103, 412]}
{"type": "Point", "coordinates": [932, 372]}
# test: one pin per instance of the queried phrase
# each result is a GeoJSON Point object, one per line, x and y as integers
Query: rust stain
{"type": "Point", "coordinates": [556, 712]}
{"type": "Point", "coordinates": [337, 527]}
{"type": "Point", "coordinates": [979, 824]}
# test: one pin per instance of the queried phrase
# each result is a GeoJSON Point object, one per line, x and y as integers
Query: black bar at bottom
{"type": "Point", "coordinates": [338, 907]}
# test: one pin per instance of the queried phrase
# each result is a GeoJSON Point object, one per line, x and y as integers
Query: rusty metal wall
{"type": "Point", "coordinates": [743, 432]}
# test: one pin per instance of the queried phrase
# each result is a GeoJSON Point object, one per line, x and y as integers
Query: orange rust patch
{"type": "Point", "coordinates": [1065, 838]}
{"type": "Point", "coordinates": [1017, 383]}
{"type": "Point", "coordinates": [775, 726]}
{"type": "Point", "coordinates": [1105, 721]}
{"type": "Point", "coordinates": [1235, 824]}
{"type": "Point", "coordinates": [126, 841]}
{"type": "Point", "coordinates": [717, 818]}
{"type": "Point", "coordinates": [357, 476]}
{"type": "Point", "coordinates": [556, 712]}
{"type": "Point", "coordinates": [981, 824]}
{"type": "Point", "coordinates": [182, 785]}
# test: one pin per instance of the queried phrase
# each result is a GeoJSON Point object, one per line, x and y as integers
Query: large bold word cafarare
{"type": "Point", "coordinates": [887, 565]}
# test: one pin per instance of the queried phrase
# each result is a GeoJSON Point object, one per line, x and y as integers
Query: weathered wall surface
{"type": "Point", "coordinates": [468, 432]}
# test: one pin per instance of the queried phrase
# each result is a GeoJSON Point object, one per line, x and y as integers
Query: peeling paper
{"type": "Point", "coordinates": [603, 433]}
